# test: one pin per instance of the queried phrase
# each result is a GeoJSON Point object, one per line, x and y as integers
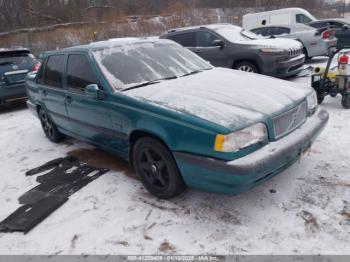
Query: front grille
{"type": "Point", "coordinates": [294, 52]}
{"type": "Point", "coordinates": [289, 121]}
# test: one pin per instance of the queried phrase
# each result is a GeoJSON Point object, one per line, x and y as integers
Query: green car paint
{"type": "Point", "coordinates": [116, 118]}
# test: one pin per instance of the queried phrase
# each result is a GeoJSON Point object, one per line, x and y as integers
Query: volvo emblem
{"type": "Point", "coordinates": [14, 67]}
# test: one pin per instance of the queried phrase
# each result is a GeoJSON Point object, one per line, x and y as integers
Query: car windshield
{"type": "Point", "coordinates": [234, 34]}
{"type": "Point", "coordinates": [15, 58]}
{"type": "Point", "coordinates": [132, 66]}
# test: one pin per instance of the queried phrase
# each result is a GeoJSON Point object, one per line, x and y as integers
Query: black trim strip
{"type": "Point", "coordinates": [106, 131]}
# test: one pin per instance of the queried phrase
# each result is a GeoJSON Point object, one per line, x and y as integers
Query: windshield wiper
{"type": "Point", "coordinates": [196, 72]}
{"type": "Point", "coordinates": [149, 83]}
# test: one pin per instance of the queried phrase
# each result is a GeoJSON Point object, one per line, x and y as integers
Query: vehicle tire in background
{"type": "Point", "coordinates": [346, 101]}
{"type": "Point", "coordinates": [246, 66]}
{"type": "Point", "coordinates": [49, 127]}
{"type": "Point", "coordinates": [157, 168]}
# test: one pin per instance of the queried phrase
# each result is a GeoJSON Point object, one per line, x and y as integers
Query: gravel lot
{"type": "Point", "coordinates": [305, 210]}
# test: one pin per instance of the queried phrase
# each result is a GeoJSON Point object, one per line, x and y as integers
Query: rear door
{"type": "Point", "coordinates": [90, 118]}
{"type": "Point", "coordinates": [52, 92]}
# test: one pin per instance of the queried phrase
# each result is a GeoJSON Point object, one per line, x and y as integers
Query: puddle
{"type": "Point", "coordinates": [102, 159]}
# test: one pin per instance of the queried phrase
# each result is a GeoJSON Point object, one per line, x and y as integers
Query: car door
{"type": "Point", "coordinates": [89, 117]}
{"type": "Point", "coordinates": [53, 94]}
{"type": "Point", "coordinates": [207, 49]}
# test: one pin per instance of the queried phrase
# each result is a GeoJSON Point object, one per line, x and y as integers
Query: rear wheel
{"type": "Point", "coordinates": [157, 168]}
{"type": "Point", "coordinates": [246, 67]}
{"type": "Point", "coordinates": [49, 127]}
{"type": "Point", "coordinates": [346, 101]}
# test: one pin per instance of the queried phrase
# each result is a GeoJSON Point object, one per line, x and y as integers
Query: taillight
{"type": "Point", "coordinates": [36, 67]}
{"type": "Point", "coordinates": [326, 35]}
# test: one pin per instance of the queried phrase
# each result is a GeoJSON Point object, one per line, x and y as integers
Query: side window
{"type": "Point", "coordinates": [258, 31]}
{"type": "Point", "coordinates": [79, 72]}
{"type": "Point", "coordinates": [185, 39]}
{"type": "Point", "coordinates": [205, 39]}
{"type": "Point", "coordinates": [272, 31]}
{"type": "Point", "coordinates": [283, 31]}
{"type": "Point", "coordinates": [54, 71]}
{"type": "Point", "coordinates": [319, 24]}
{"type": "Point", "coordinates": [336, 25]}
{"type": "Point", "coordinates": [302, 19]}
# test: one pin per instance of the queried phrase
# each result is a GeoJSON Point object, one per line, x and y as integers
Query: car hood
{"type": "Point", "coordinates": [229, 98]}
{"type": "Point", "coordinates": [274, 43]}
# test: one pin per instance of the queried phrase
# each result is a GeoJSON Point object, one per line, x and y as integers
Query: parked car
{"type": "Point", "coordinates": [285, 16]}
{"type": "Point", "coordinates": [316, 42]}
{"type": "Point", "coordinates": [14, 66]}
{"type": "Point", "coordinates": [230, 46]}
{"type": "Point", "coordinates": [341, 26]}
{"type": "Point", "coordinates": [178, 121]}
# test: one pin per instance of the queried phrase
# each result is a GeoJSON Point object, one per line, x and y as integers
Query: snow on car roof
{"type": "Point", "coordinates": [117, 42]}
{"type": "Point", "coordinates": [210, 26]}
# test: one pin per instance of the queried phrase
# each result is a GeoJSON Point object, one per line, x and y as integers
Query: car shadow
{"type": "Point", "coordinates": [13, 107]}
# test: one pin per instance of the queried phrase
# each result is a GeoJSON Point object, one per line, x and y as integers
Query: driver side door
{"type": "Point", "coordinates": [90, 118]}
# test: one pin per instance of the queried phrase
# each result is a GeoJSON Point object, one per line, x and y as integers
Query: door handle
{"type": "Point", "coordinates": [198, 51]}
{"type": "Point", "coordinates": [69, 99]}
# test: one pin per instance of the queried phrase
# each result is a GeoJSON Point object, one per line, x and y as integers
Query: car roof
{"type": "Point", "coordinates": [210, 26]}
{"type": "Point", "coordinates": [115, 42]}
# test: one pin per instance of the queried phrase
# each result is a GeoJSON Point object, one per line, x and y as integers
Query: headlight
{"type": "Point", "coordinates": [312, 102]}
{"type": "Point", "coordinates": [241, 139]}
{"type": "Point", "coordinates": [272, 50]}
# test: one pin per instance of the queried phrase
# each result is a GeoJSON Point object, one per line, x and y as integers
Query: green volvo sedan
{"type": "Point", "coordinates": [178, 121]}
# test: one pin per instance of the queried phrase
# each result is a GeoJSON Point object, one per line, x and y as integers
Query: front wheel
{"type": "Point", "coordinates": [346, 101]}
{"type": "Point", "coordinates": [157, 168]}
{"type": "Point", "coordinates": [246, 67]}
{"type": "Point", "coordinates": [49, 127]}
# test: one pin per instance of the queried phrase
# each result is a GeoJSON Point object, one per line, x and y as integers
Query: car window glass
{"type": "Point", "coordinates": [303, 19]}
{"type": "Point", "coordinates": [282, 31]}
{"type": "Point", "coordinates": [79, 72]}
{"type": "Point", "coordinates": [205, 39]}
{"type": "Point", "coordinates": [272, 31]}
{"type": "Point", "coordinates": [185, 39]}
{"type": "Point", "coordinates": [54, 71]}
{"type": "Point", "coordinates": [15, 58]}
{"type": "Point", "coordinates": [336, 24]}
{"type": "Point", "coordinates": [258, 31]}
{"type": "Point", "coordinates": [319, 24]}
{"type": "Point", "coordinates": [40, 76]}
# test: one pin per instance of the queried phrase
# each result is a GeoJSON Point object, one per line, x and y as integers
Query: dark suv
{"type": "Point", "coordinates": [230, 46]}
{"type": "Point", "coordinates": [14, 66]}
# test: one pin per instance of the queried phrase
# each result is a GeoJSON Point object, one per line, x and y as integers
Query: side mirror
{"type": "Point", "coordinates": [92, 91]}
{"type": "Point", "coordinates": [345, 27]}
{"type": "Point", "coordinates": [219, 43]}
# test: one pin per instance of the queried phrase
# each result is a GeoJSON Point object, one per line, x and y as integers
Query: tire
{"type": "Point", "coordinates": [346, 101]}
{"type": "Point", "coordinates": [49, 127]}
{"type": "Point", "coordinates": [247, 67]}
{"type": "Point", "coordinates": [157, 168]}
{"type": "Point", "coordinates": [307, 57]}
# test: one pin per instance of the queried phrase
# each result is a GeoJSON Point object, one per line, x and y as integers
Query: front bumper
{"type": "Point", "coordinates": [284, 69]}
{"type": "Point", "coordinates": [242, 174]}
{"type": "Point", "coordinates": [10, 93]}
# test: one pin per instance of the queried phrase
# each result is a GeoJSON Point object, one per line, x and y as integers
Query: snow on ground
{"type": "Point", "coordinates": [305, 210]}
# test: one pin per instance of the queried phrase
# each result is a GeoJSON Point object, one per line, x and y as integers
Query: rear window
{"type": "Point", "coordinates": [54, 71]}
{"type": "Point", "coordinates": [15, 58]}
